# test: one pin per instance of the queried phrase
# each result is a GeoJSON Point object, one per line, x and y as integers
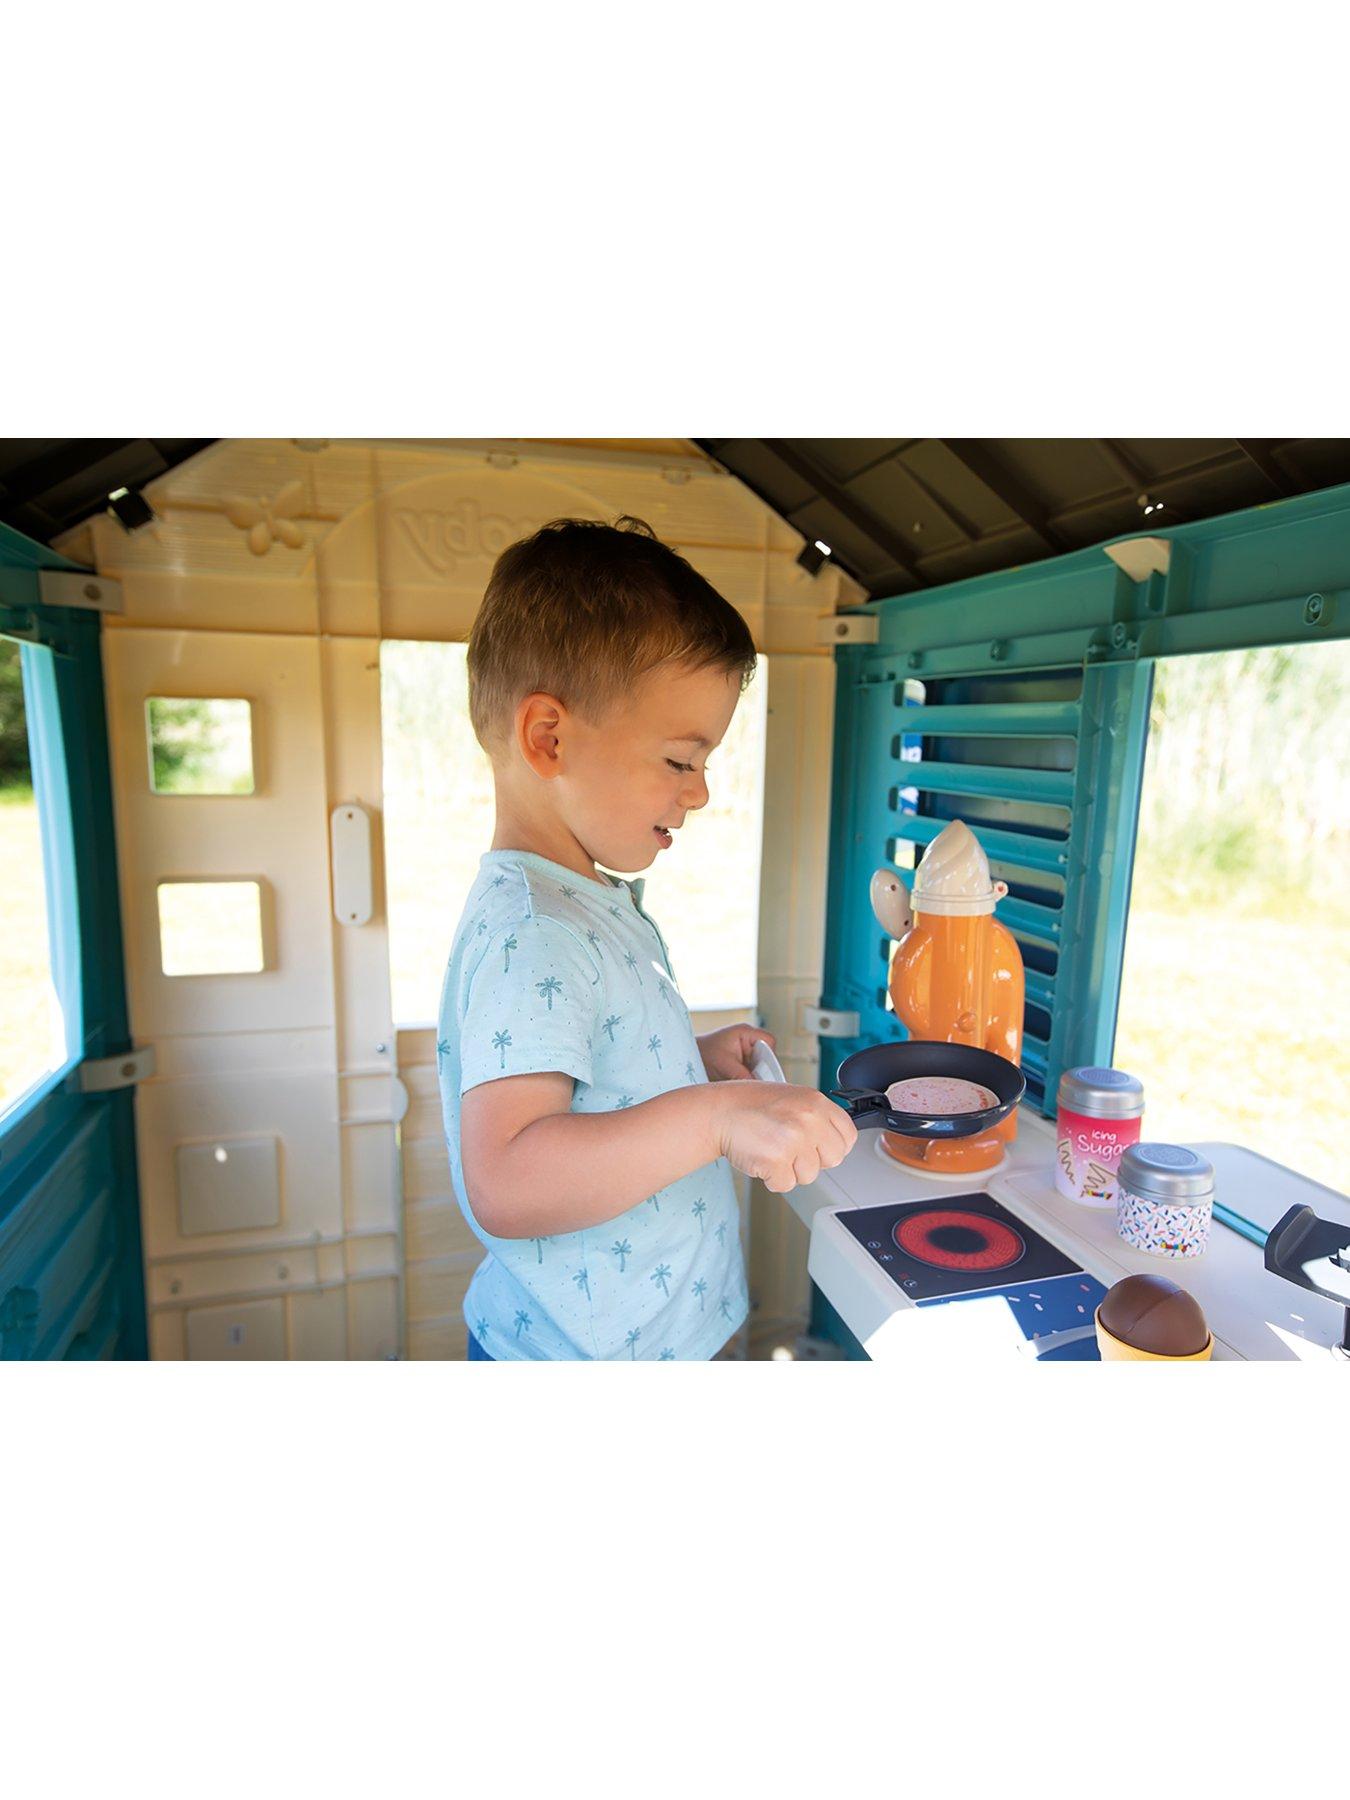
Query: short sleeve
{"type": "Point", "coordinates": [530, 1006]}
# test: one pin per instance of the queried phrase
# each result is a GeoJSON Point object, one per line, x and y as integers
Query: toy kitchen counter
{"type": "Point", "coordinates": [923, 1268]}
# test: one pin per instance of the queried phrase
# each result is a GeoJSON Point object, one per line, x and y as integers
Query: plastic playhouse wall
{"type": "Point", "coordinates": [274, 570]}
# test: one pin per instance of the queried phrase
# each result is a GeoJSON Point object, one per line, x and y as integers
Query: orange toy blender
{"type": "Point", "coordinates": [956, 978]}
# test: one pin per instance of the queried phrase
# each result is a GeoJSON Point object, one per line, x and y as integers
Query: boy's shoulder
{"type": "Point", "coordinates": [508, 893]}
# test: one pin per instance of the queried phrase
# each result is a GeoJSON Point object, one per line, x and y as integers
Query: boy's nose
{"type": "Point", "coordinates": [694, 794]}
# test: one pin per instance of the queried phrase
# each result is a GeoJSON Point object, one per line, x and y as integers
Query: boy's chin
{"type": "Point", "coordinates": [631, 862]}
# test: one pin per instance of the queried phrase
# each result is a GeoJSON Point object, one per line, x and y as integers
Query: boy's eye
{"type": "Point", "coordinates": [684, 768]}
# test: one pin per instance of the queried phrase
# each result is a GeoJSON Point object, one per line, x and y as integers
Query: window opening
{"type": "Point", "coordinates": [34, 1031]}
{"type": "Point", "coordinates": [1236, 980]}
{"type": "Point", "coordinates": [211, 928]}
{"type": "Point", "coordinates": [199, 746]}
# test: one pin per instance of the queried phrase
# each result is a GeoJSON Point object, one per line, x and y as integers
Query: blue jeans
{"type": "Point", "coordinates": [476, 1351]}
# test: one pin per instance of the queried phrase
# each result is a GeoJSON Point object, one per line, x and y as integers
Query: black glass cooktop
{"type": "Point", "coordinates": [954, 1244]}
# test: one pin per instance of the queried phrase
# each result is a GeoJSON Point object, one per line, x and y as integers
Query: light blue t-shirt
{"type": "Point", "coordinates": [550, 970]}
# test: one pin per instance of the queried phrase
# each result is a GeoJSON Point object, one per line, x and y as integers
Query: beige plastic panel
{"type": "Point", "coordinates": [299, 1109]}
{"type": "Point", "coordinates": [318, 1325]}
{"type": "Point", "coordinates": [374, 1323]}
{"type": "Point", "coordinates": [252, 1332]}
{"type": "Point", "coordinates": [279, 833]}
{"type": "Point", "coordinates": [272, 573]}
{"type": "Point", "coordinates": [791, 946]}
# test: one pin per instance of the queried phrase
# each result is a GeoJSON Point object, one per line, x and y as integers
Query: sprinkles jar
{"type": "Point", "coordinates": [1099, 1115]}
{"type": "Point", "coordinates": [1165, 1200]}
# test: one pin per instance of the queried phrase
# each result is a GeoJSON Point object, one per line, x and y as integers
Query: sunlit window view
{"type": "Point", "coordinates": [210, 928]}
{"type": "Point", "coordinates": [704, 893]}
{"type": "Point", "coordinates": [1236, 984]}
{"type": "Point", "coordinates": [32, 1028]}
{"type": "Point", "coordinates": [199, 746]}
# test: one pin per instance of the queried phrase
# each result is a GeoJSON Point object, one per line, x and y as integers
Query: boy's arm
{"type": "Point", "coordinates": [534, 1169]}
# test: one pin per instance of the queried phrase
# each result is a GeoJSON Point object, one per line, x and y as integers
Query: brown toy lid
{"type": "Point", "coordinates": [1152, 1313]}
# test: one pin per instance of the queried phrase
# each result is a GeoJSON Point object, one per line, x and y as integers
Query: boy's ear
{"type": "Point", "coordinates": [539, 722]}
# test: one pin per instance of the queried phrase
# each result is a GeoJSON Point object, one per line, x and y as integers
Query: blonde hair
{"type": "Point", "coordinates": [584, 610]}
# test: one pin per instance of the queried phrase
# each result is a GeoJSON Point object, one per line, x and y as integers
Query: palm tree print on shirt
{"type": "Point", "coordinates": [610, 1023]}
{"type": "Point", "coordinates": [481, 1330]}
{"type": "Point", "coordinates": [593, 939]}
{"type": "Point", "coordinates": [654, 1045]}
{"type": "Point", "coordinates": [623, 1101]}
{"type": "Point", "coordinates": [616, 912]}
{"type": "Point", "coordinates": [667, 1355]}
{"type": "Point", "coordinates": [509, 946]}
{"type": "Point", "coordinates": [623, 1250]}
{"type": "Point", "coordinates": [689, 1071]}
{"type": "Point", "coordinates": [721, 1233]}
{"type": "Point", "coordinates": [497, 880]}
{"type": "Point", "coordinates": [631, 1341]}
{"type": "Point", "coordinates": [724, 1307]}
{"type": "Point", "coordinates": [443, 1047]}
{"type": "Point", "coordinates": [568, 893]}
{"type": "Point", "coordinates": [539, 1246]}
{"type": "Point", "coordinates": [653, 1201]}
{"type": "Point", "coordinates": [631, 960]}
{"type": "Point", "coordinates": [583, 1281]}
{"type": "Point", "coordinates": [523, 1321]}
{"type": "Point", "coordinates": [661, 1276]}
{"type": "Point", "coordinates": [548, 988]}
{"type": "Point", "coordinates": [500, 1039]}
{"type": "Point", "coordinates": [698, 1290]}
{"type": "Point", "coordinates": [698, 1209]}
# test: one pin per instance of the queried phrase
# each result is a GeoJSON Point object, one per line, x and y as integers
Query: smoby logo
{"type": "Point", "coordinates": [444, 539]}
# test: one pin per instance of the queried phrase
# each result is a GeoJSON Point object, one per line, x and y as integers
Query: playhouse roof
{"type": "Point", "coordinates": [897, 513]}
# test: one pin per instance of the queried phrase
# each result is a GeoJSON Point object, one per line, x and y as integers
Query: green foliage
{"type": "Point", "coordinates": [13, 730]}
{"type": "Point", "coordinates": [1247, 781]}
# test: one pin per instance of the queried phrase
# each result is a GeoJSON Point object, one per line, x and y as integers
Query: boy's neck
{"type": "Point", "coordinates": [547, 837]}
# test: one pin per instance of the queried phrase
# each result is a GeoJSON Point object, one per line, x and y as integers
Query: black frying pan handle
{"type": "Point", "coordinates": [863, 1104]}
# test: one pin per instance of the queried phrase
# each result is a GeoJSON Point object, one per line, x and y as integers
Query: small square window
{"type": "Point", "coordinates": [199, 746]}
{"type": "Point", "coordinates": [211, 928]}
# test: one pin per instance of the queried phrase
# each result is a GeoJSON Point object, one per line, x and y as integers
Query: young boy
{"type": "Point", "coordinates": [592, 1135]}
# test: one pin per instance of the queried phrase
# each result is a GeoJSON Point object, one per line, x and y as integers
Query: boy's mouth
{"type": "Point", "coordinates": [664, 838]}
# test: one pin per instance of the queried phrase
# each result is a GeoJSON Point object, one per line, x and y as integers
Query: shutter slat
{"type": "Point", "coordinates": [1043, 787]}
{"type": "Point", "coordinates": [1049, 854]}
{"type": "Point", "coordinates": [1032, 718]}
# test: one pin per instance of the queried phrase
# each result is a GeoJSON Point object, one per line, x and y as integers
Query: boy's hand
{"type": "Point", "coordinates": [726, 1053]}
{"type": "Point", "coordinates": [782, 1135]}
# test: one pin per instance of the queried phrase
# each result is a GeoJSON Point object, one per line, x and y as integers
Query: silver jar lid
{"type": "Point", "coordinates": [1167, 1172]}
{"type": "Point", "coordinates": [1102, 1093]}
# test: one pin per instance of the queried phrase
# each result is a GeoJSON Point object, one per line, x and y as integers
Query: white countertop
{"type": "Point", "coordinates": [1252, 1313]}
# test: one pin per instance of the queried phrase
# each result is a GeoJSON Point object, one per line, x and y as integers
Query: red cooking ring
{"type": "Point", "coordinates": [1002, 1245]}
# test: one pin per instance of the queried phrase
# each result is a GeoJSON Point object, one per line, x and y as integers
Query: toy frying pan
{"type": "Point", "coordinates": [864, 1077]}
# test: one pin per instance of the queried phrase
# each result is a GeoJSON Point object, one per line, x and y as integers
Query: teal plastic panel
{"type": "Point", "coordinates": [1019, 702]}
{"type": "Point", "coordinates": [71, 1282]}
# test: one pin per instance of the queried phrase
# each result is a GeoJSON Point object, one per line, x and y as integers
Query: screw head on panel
{"type": "Point", "coordinates": [1313, 609]}
{"type": "Point", "coordinates": [998, 650]}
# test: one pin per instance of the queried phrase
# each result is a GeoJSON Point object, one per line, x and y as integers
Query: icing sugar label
{"type": "Point", "coordinates": [1088, 1154]}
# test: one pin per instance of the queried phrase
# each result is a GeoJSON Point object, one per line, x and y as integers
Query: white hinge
{"type": "Point", "coordinates": [848, 628]}
{"type": "Point", "coordinates": [101, 1074]}
{"type": "Point", "coordinates": [61, 587]}
{"type": "Point", "coordinates": [822, 1022]}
